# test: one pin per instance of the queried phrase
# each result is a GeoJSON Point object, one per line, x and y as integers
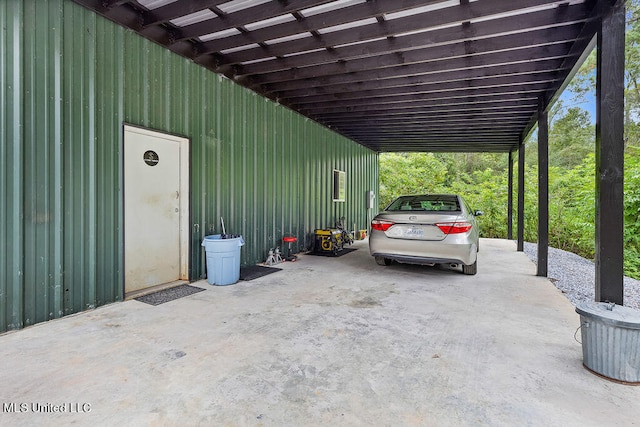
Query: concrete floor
{"type": "Point", "coordinates": [326, 341]}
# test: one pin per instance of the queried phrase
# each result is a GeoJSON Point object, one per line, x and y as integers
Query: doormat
{"type": "Point", "coordinates": [332, 255]}
{"type": "Point", "coordinates": [254, 271]}
{"type": "Point", "coordinates": [170, 294]}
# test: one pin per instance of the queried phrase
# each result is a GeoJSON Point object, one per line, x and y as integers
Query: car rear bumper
{"type": "Point", "coordinates": [457, 249]}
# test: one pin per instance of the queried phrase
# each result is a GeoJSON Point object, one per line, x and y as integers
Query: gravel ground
{"type": "Point", "coordinates": [575, 276]}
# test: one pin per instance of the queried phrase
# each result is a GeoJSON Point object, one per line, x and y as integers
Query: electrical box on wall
{"type": "Point", "coordinates": [370, 199]}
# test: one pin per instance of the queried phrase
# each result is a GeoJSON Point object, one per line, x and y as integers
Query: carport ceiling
{"type": "Point", "coordinates": [393, 75]}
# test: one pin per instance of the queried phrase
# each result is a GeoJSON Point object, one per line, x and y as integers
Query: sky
{"type": "Point", "coordinates": [588, 102]}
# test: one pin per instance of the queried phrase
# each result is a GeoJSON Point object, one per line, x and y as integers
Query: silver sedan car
{"type": "Point", "coordinates": [426, 229]}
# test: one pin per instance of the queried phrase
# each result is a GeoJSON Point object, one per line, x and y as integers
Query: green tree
{"type": "Point", "coordinates": [584, 81]}
{"type": "Point", "coordinates": [409, 173]}
{"type": "Point", "coordinates": [571, 138]}
{"type": "Point", "coordinates": [632, 212]}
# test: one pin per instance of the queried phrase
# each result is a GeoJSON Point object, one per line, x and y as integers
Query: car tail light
{"type": "Point", "coordinates": [381, 225]}
{"type": "Point", "coordinates": [454, 227]}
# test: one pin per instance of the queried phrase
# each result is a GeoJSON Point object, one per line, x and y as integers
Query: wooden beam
{"type": "Point", "coordinates": [428, 133]}
{"type": "Point", "coordinates": [461, 78]}
{"type": "Point", "coordinates": [178, 9]}
{"type": "Point", "coordinates": [543, 190]}
{"type": "Point", "coordinates": [413, 114]}
{"type": "Point", "coordinates": [470, 102]}
{"type": "Point", "coordinates": [518, 61]}
{"type": "Point", "coordinates": [610, 157]}
{"type": "Point", "coordinates": [496, 82]}
{"type": "Point", "coordinates": [520, 230]}
{"type": "Point", "coordinates": [574, 58]}
{"type": "Point", "coordinates": [461, 73]}
{"type": "Point", "coordinates": [474, 129]}
{"type": "Point", "coordinates": [282, 70]}
{"type": "Point", "coordinates": [267, 10]}
{"type": "Point", "coordinates": [518, 25]}
{"type": "Point", "coordinates": [505, 107]}
{"type": "Point", "coordinates": [408, 146]}
{"type": "Point", "coordinates": [510, 198]}
{"type": "Point", "coordinates": [370, 9]}
{"type": "Point", "coordinates": [407, 54]}
{"type": "Point", "coordinates": [523, 89]}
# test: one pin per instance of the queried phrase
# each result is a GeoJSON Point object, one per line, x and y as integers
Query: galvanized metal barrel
{"type": "Point", "coordinates": [611, 340]}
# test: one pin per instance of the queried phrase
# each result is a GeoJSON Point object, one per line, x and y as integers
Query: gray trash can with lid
{"type": "Point", "coordinates": [610, 340]}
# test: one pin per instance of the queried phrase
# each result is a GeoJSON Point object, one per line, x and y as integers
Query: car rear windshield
{"type": "Point", "coordinates": [427, 202]}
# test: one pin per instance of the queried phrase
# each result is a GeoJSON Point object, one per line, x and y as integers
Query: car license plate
{"type": "Point", "coordinates": [414, 233]}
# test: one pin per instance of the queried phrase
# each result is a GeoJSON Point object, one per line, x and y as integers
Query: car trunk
{"type": "Point", "coordinates": [418, 225]}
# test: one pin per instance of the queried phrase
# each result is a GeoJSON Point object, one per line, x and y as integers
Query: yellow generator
{"type": "Point", "coordinates": [328, 240]}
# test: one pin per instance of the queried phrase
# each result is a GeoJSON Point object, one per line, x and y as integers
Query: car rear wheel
{"type": "Point", "coordinates": [470, 269]}
{"type": "Point", "coordinates": [383, 261]}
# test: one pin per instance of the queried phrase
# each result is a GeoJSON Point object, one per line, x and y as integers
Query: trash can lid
{"type": "Point", "coordinates": [610, 313]}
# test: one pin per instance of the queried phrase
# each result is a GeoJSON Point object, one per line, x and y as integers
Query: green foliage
{"type": "Point", "coordinates": [571, 138]}
{"type": "Point", "coordinates": [491, 199]}
{"type": "Point", "coordinates": [632, 64]}
{"type": "Point", "coordinates": [530, 203]}
{"type": "Point", "coordinates": [409, 173]}
{"type": "Point", "coordinates": [632, 212]}
{"type": "Point", "coordinates": [572, 208]}
{"type": "Point", "coordinates": [571, 196]}
{"type": "Point", "coordinates": [584, 81]}
{"type": "Point", "coordinates": [412, 173]}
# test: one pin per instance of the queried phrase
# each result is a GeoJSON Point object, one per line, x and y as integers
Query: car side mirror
{"type": "Point", "coordinates": [478, 213]}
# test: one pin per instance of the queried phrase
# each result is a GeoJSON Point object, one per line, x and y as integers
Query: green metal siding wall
{"type": "Point", "coordinates": [68, 81]}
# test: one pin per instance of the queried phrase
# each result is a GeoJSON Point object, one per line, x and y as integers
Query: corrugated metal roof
{"type": "Point", "coordinates": [412, 75]}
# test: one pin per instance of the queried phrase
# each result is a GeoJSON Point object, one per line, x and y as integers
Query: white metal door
{"type": "Point", "coordinates": [155, 208]}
